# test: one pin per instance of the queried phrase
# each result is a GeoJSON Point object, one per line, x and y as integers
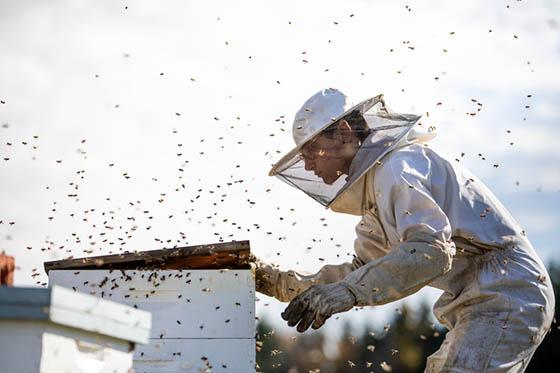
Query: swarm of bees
{"type": "Point", "coordinates": [111, 229]}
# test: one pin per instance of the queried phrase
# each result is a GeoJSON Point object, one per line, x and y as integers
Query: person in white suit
{"type": "Point", "coordinates": [425, 222]}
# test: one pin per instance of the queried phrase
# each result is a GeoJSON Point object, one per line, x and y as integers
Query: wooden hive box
{"type": "Point", "coordinates": [202, 300]}
{"type": "Point", "coordinates": [57, 330]}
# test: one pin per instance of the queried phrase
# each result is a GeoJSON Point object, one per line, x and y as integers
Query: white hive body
{"type": "Point", "coordinates": [202, 319]}
{"type": "Point", "coordinates": [57, 330]}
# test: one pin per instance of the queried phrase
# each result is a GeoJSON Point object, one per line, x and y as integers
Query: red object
{"type": "Point", "coordinates": [7, 266]}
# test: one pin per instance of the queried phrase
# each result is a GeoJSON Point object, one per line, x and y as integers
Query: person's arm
{"type": "Point", "coordinates": [426, 251]}
{"type": "Point", "coordinates": [285, 285]}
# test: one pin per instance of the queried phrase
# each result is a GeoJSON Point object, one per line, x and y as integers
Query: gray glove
{"type": "Point", "coordinates": [317, 304]}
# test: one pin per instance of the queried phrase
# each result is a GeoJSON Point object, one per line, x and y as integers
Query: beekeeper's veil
{"type": "Point", "coordinates": [387, 131]}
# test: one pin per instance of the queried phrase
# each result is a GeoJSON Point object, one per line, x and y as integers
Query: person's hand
{"type": "Point", "coordinates": [266, 276]}
{"type": "Point", "coordinates": [315, 305]}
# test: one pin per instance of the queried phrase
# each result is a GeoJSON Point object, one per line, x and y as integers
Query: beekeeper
{"type": "Point", "coordinates": [425, 221]}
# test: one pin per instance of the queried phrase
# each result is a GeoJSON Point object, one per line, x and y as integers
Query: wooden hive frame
{"type": "Point", "coordinates": [226, 255]}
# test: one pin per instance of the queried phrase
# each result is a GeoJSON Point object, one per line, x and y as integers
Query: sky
{"type": "Point", "coordinates": [139, 125]}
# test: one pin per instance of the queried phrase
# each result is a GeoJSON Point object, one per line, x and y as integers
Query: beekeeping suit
{"type": "Point", "coordinates": [425, 221]}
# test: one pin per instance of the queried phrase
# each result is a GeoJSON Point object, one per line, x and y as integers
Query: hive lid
{"type": "Point", "coordinates": [231, 255]}
{"type": "Point", "coordinates": [82, 311]}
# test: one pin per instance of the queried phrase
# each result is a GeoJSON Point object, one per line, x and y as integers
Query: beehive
{"type": "Point", "coordinates": [57, 330]}
{"type": "Point", "coordinates": [202, 300]}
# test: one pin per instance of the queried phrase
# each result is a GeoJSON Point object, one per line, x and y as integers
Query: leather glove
{"type": "Point", "coordinates": [266, 276]}
{"type": "Point", "coordinates": [317, 304]}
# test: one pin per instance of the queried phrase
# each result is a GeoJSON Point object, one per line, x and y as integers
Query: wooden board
{"type": "Point", "coordinates": [232, 255]}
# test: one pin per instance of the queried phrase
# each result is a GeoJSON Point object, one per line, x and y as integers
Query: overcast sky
{"type": "Point", "coordinates": [135, 125]}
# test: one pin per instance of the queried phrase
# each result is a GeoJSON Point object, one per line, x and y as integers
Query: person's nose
{"type": "Point", "coordinates": [309, 164]}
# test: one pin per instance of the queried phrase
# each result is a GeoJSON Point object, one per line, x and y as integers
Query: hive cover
{"type": "Point", "coordinates": [231, 255]}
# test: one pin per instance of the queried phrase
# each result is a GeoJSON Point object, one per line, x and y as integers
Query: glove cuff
{"type": "Point", "coordinates": [359, 299]}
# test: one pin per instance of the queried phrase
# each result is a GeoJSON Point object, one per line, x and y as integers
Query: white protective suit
{"type": "Point", "coordinates": [497, 300]}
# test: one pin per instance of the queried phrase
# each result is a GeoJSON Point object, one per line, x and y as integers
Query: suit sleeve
{"type": "Point", "coordinates": [425, 251]}
{"type": "Point", "coordinates": [367, 245]}
{"type": "Point", "coordinates": [289, 284]}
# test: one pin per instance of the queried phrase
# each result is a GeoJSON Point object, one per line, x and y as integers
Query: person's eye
{"type": "Point", "coordinates": [307, 155]}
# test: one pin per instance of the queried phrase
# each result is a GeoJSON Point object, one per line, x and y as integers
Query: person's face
{"type": "Point", "coordinates": [329, 158]}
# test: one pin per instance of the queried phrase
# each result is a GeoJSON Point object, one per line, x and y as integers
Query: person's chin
{"type": "Point", "coordinates": [330, 181]}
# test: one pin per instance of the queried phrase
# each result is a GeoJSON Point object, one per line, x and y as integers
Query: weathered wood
{"type": "Point", "coordinates": [231, 255]}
